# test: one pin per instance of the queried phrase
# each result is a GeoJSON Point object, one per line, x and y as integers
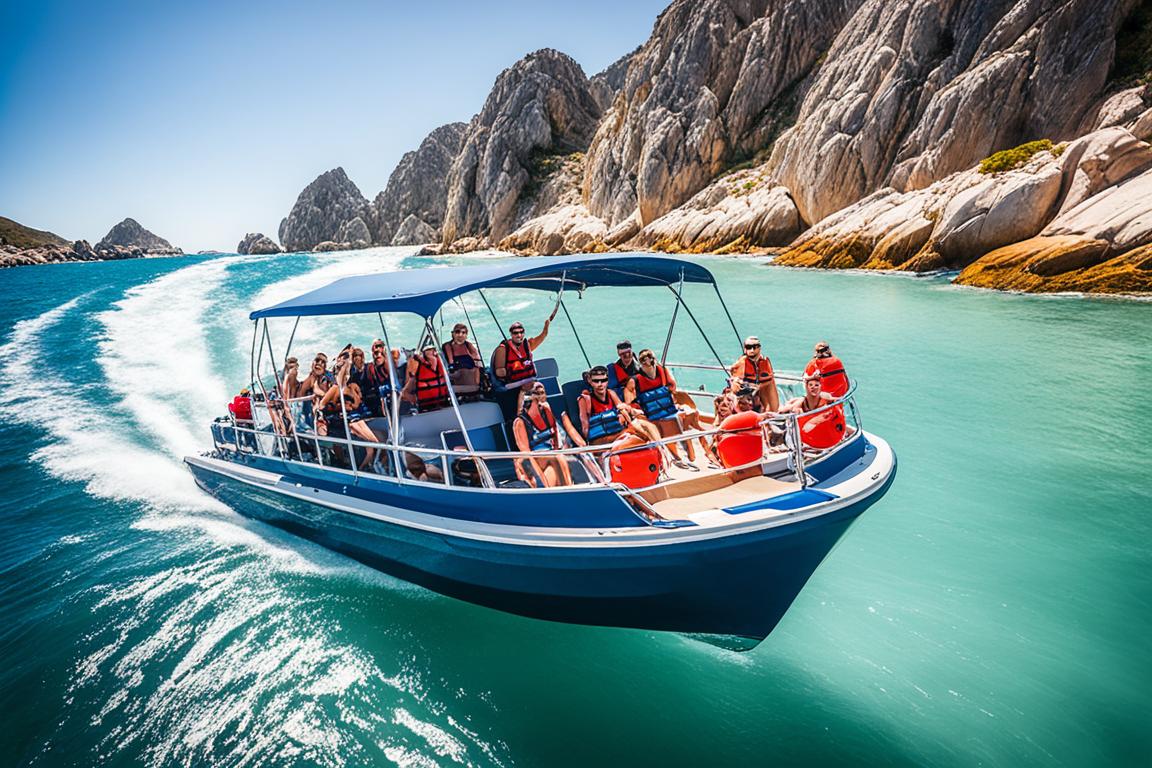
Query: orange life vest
{"type": "Point", "coordinates": [833, 379]}
{"type": "Point", "coordinates": [431, 386]}
{"type": "Point", "coordinates": [759, 372]}
{"type": "Point", "coordinates": [824, 433]}
{"type": "Point", "coordinates": [518, 365]}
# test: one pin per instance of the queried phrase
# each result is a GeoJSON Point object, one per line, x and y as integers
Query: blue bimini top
{"type": "Point", "coordinates": [423, 291]}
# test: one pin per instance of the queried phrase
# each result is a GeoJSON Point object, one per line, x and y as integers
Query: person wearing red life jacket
{"type": "Point", "coordinates": [604, 416]}
{"type": "Point", "coordinates": [833, 378]}
{"type": "Point", "coordinates": [824, 429]}
{"type": "Point", "coordinates": [427, 384]}
{"type": "Point", "coordinates": [537, 429]}
{"type": "Point", "coordinates": [464, 361]}
{"type": "Point", "coordinates": [513, 367]}
{"type": "Point", "coordinates": [754, 370]}
{"type": "Point", "coordinates": [653, 387]}
{"type": "Point", "coordinates": [621, 371]}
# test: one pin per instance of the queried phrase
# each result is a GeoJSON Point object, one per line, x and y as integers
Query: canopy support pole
{"type": "Point", "coordinates": [499, 327]}
{"type": "Point", "coordinates": [252, 354]}
{"type": "Point", "coordinates": [739, 338]}
{"type": "Point", "coordinates": [280, 387]}
{"type": "Point", "coordinates": [291, 338]}
{"type": "Point", "coordinates": [394, 400]}
{"type": "Point", "coordinates": [672, 324]}
{"type": "Point", "coordinates": [455, 404]}
{"type": "Point", "coordinates": [260, 383]}
{"type": "Point", "coordinates": [698, 327]}
{"type": "Point", "coordinates": [572, 325]}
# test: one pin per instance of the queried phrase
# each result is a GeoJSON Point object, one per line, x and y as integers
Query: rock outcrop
{"type": "Point", "coordinates": [327, 205]}
{"type": "Point", "coordinates": [540, 107]}
{"type": "Point", "coordinates": [80, 250]}
{"type": "Point", "coordinates": [18, 236]}
{"type": "Point", "coordinates": [129, 235]}
{"type": "Point", "coordinates": [715, 83]}
{"type": "Point", "coordinates": [258, 243]}
{"type": "Point", "coordinates": [742, 210]}
{"type": "Point", "coordinates": [417, 189]}
{"type": "Point", "coordinates": [913, 91]}
{"type": "Point", "coordinates": [1071, 207]}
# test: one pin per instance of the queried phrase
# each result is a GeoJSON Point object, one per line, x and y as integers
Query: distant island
{"type": "Point", "coordinates": [22, 246]}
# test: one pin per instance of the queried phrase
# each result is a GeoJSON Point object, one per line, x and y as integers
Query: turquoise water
{"type": "Point", "coordinates": [993, 609]}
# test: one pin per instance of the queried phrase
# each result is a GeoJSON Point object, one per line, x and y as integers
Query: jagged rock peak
{"type": "Point", "coordinates": [327, 204]}
{"type": "Point", "coordinates": [542, 105]}
{"type": "Point", "coordinates": [418, 188]}
{"type": "Point", "coordinates": [607, 83]}
{"type": "Point", "coordinates": [714, 84]}
{"type": "Point", "coordinates": [257, 243]}
{"type": "Point", "coordinates": [129, 234]}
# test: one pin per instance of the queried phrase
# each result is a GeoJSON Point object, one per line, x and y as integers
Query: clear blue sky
{"type": "Point", "coordinates": [204, 120]}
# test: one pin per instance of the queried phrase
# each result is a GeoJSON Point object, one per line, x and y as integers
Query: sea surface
{"type": "Point", "coordinates": [994, 609]}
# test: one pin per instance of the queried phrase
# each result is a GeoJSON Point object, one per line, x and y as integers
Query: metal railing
{"type": "Point", "coordinates": [280, 436]}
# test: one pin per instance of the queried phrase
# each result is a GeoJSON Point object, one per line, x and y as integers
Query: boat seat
{"type": "Point", "coordinates": [571, 394]}
{"type": "Point", "coordinates": [423, 430]}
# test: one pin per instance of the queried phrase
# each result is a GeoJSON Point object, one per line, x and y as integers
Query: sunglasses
{"type": "Point", "coordinates": [598, 381]}
{"type": "Point", "coordinates": [647, 358]}
{"type": "Point", "coordinates": [517, 331]}
{"type": "Point", "coordinates": [320, 361]}
{"type": "Point", "coordinates": [751, 346]}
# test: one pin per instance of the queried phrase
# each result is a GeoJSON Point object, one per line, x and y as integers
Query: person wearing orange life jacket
{"type": "Point", "coordinates": [427, 386]}
{"type": "Point", "coordinates": [604, 416]}
{"type": "Point", "coordinates": [754, 370]}
{"type": "Point", "coordinates": [653, 387]}
{"type": "Point", "coordinates": [833, 378]}
{"type": "Point", "coordinates": [537, 429]}
{"type": "Point", "coordinates": [464, 362]}
{"type": "Point", "coordinates": [824, 429]}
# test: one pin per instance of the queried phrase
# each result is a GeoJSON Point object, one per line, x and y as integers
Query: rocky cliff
{"type": "Point", "coordinates": [1003, 138]}
{"type": "Point", "coordinates": [410, 210]}
{"type": "Point", "coordinates": [328, 210]}
{"type": "Point", "coordinates": [541, 106]}
{"type": "Point", "coordinates": [130, 235]}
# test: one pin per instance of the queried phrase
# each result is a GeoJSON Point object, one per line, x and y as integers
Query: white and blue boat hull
{"type": "Point", "coordinates": [732, 572]}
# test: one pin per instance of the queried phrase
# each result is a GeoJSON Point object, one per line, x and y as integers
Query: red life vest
{"type": "Point", "coordinates": [618, 376]}
{"type": "Point", "coordinates": [833, 379]}
{"type": "Point", "coordinates": [758, 373]}
{"type": "Point", "coordinates": [241, 408]}
{"type": "Point", "coordinates": [431, 387]}
{"type": "Point", "coordinates": [518, 366]}
{"type": "Point", "coordinates": [825, 433]}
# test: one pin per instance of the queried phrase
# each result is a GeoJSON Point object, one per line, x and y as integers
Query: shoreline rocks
{"type": "Point", "coordinates": [257, 243]}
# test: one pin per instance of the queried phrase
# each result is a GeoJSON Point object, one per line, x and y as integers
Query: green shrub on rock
{"type": "Point", "coordinates": [1007, 159]}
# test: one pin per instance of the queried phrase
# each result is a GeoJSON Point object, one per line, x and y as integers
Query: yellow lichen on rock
{"type": "Point", "coordinates": [1063, 263]}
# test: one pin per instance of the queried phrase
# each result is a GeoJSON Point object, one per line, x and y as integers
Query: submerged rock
{"type": "Point", "coordinates": [257, 243]}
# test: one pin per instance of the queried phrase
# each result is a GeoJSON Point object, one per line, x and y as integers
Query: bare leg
{"type": "Point", "coordinates": [769, 397]}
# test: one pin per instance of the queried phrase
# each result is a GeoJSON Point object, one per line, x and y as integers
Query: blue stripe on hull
{"type": "Point", "coordinates": [736, 585]}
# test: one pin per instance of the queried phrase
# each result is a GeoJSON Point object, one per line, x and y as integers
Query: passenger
{"type": "Point", "coordinates": [427, 384]}
{"type": "Point", "coordinates": [652, 387]}
{"type": "Point", "coordinates": [822, 430]}
{"type": "Point", "coordinates": [833, 378]}
{"type": "Point", "coordinates": [723, 406]}
{"type": "Point", "coordinates": [321, 380]}
{"type": "Point", "coordinates": [623, 369]}
{"type": "Point", "coordinates": [421, 470]}
{"type": "Point", "coordinates": [346, 398]}
{"type": "Point", "coordinates": [536, 429]}
{"type": "Point", "coordinates": [376, 381]}
{"type": "Point", "coordinates": [464, 361]}
{"type": "Point", "coordinates": [603, 415]}
{"type": "Point", "coordinates": [513, 366]}
{"type": "Point", "coordinates": [755, 370]}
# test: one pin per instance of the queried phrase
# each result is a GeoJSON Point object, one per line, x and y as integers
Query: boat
{"type": "Point", "coordinates": [716, 552]}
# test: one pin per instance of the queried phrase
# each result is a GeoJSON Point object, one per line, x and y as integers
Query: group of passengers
{"type": "Point", "coordinates": [631, 401]}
